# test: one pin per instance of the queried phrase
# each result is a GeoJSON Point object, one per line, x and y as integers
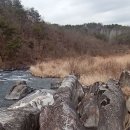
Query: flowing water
{"type": "Point", "coordinates": [9, 78]}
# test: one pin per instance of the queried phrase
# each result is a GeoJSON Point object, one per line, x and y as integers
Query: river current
{"type": "Point", "coordinates": [9, 78]}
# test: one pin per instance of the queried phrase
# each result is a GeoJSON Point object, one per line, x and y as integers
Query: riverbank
{"type": "Point", "coordinates": [90, 69]}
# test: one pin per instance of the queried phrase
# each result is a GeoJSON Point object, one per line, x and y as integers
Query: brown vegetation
{"type": "Point", "coordinates": [26, 39]}
{"type": "Point", "coordinates": [90, 69]}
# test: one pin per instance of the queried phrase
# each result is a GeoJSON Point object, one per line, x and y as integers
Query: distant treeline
{"type": "Point", "coordinates": [112, 33]}
{"type": "Point", "coordinates": [26, 38]}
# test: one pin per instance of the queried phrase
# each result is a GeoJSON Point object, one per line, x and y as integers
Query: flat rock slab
{"type": "Point", "coordinates": [35, 101]}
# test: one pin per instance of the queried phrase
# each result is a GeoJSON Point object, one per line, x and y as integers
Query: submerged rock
{"type": "Point", "coordinates": [18, 91]}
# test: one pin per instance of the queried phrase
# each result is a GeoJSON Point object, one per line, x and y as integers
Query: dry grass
{"type": "Point", "coordinates": [90, 69]}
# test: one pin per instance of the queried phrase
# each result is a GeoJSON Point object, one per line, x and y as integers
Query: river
{"type": "Point", "coordinates": [9, 78]}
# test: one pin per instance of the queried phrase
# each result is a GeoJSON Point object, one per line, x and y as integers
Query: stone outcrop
{"type": "Point", "coordinates": [62, 114]}
{"type": "Point", "coordinates": [88, 107]}
{"type": "Point", "coordinates": [18, 120]}
{"type": "Point", "coordinates": [88, 111]}
{"type": "Point", "coordinates": [18, 91]}
{"type": "Point", "coordinates": [112, 110]}
{"type": "Point", "coordinates": [101, 106]}
{"type": "Point", "coordinates": [24, 115]}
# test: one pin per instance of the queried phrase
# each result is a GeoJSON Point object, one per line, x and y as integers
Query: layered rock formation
{"type": "Point", "coordinates": [62, 114]}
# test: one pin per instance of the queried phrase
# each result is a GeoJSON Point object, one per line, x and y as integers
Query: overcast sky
{"type": "Point", "coordinates": [82, 11]}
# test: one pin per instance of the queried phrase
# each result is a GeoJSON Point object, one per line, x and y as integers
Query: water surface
{"type": "Point", "coordinates": [9, 78]}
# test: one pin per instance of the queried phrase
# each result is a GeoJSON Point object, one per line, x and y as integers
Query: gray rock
{"type": "Point", "coordinates": [124, 80]}
{"type": "Point", "coordinates": [128, 104]}
{"type": "Point", "coordinates": [75, 88]}
{"type": "Point", "coordinates": [88, 108]}
{"type": "Point", "coordinates": [18, 91]}
{"type": "Point", "coordinates": [18, 120]}
{"type": "Point", "coordinates": [62, 115]}
{"type": "Point", "coordinates": [112, 82]}
{"type": "Point", "coordinates": [88, 111]}
{"type": "Point", "coordinates": [35, 101]}
{"type": "Point", "coordinates": [55, 85]}
{"type": "Point", "coordinates": [24, 115]}
{"type": "Point", "coordinates": [112, 108]}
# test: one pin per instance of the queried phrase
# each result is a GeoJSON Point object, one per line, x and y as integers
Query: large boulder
{"type": "Point", "coordinates": [62, 115]}
{"type": "Point", "coordinates": [124, 80]}
{"type": "Point", "coordinates": [74, 88]}
{"type": "Point", "coordinates": [112, 108]}
{"type": "Point", "coordinates": [88, 111]}
{"type": "Point", "coordinates": [18, 120]}
{"type": "Point", "coordinates": [24, 115]}
{"type": "Point", "coordinates": [88, 108]}
{"type": "Point", "coordinates": [18, 91]}
{"type": "Point", "coordinates": [35, 101]}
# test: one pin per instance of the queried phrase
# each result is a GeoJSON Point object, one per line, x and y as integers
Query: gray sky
{"type": "Point", "coordinates": [82, 11]}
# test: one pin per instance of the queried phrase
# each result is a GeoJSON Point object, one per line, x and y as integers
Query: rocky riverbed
{"type": "Point", "coordinates": [71, 106]}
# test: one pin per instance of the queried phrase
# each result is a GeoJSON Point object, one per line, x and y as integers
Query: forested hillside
{"type": "Point", "coordinates": [111, 33]}
{"type": "Point", "coordinates": [25, 38]}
